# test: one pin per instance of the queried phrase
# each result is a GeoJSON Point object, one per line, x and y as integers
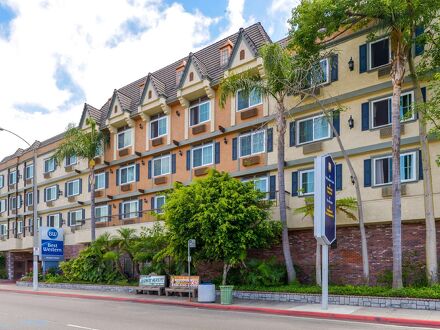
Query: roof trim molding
{"type": "Point", "coordinates": [242, 35]}
{"type": "Point", "coordinates": [198, 65]}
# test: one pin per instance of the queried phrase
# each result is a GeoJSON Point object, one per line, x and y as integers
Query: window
{"type": "Point", "coordinates": [51, 193]}
{"type": "Point", "coordinates": [159, 202]}
{"type": "Point", "coordinates": [242, 54]}
{"type": "Point", "coordinates": [29, 171]}
{"type": "Point", "coordinates": [224, 56]}
{"type": "Point", "coordinates": [178, 76]}
{"type": "Point", "coordinates": [2, 205]}
{"type": "Point", "coordinates": [158, 126]}
{"type": "Point", "coordinates": [246, 101]}
{"type": "Point", "coordinates": [12, 203]}
{"type": "Point", "coordinates": [54, 220]}
{"type": "Point", "coordinates": [381, 114]}
{"type": "Point", "coordinates": [313, 129]}
{"type": "Point", "coordinates": [101, 213]}
{"type": "Point", "coordinates": [130, 210]}
{"type": "Point", "coordinates": [127, 174]}
{"type": "Point", "coordinates": [260, 184]}
{"type": "Point", "coordinates": [124, 139]}
{"type": "Point", "coordinates": [12, 177]}
{"type": "Point", "coordinates": [2, 181]}
{"type": "Point", "coordinates": [191, 76]}
{"type": "Point", "coordinates": [306, 182]}
{"type": "Point", "coordinates": [200, 113]}
{"type": "Point", "coordinates": [252, 143]}
{"type": "Point", "coordinates": [75, 217]}
{"type": "Point", "coordinates": [382, 167]}
{"type": "Point", "coordinates": [3, 229]}
{"type": "Point", "coordinates": [379, 53]}
{"type": "Point", "coordinates": [20, 227]}
{"type": "Point", "coordinates": [31, 223]}
{"type": "Point", "coordinates": [49, 165]}
{"type": "Point", "coordinates": [73, 188]}
{"type": "Point", "coordinates": [72, 160]}
{"type": "Point", "coordinates": [29, 199]}
{"type": "Point", "coordinates": [100, 181]}
{"type": "Point", "coordinates": [320, 73]}
{"type": "Point", "coordinates": [162, 165]}
{"type": "Point", "coordinates": [203, 155]}
{"type": "Point", "coordinates": [150, 94]}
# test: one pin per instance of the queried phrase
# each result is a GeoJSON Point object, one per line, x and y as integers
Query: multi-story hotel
{"type": "Point", "coordinates": [168, 126]}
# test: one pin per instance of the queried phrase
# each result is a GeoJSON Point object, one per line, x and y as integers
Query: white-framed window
{"type": "Point", "coordinates": [29, 171]}
{"type": "Point", "coordinates": [20, 227]}
{"type": "Point", "coordinates": [382, 168]}
{"type": "Point", "coordinates": [224, 56]}
{"type": "Point", "coordinates": [130, 209]}
{"type": "Point", "coordinates": [203, 155]}
{"type": "Point", "coordinates": [200, 113]}
{"type": "Point", "coordinates": [100, 181]}
{"type": "Point", "coordinates": [246, 101]}
{"type": "Point", "coordinates": [72, 160]}
{"type": "Point", "coordinates": [2, 205]}
{"type": "Point", "coordinates": [2, 181]}
{"type": "Point", "coordinates": [29, 198]}
{"type": "Point", "coordinates": [49, 165]}
{"type": "Point", "coordinates": [312, 129]}
{"type": "Point", "coordinates": [252, 143]}
{"type": "Point", "coordinates": [51, 193]}
{"type": "Point", "coordinates": [261, 184]}
{"type": "Point", "coordinates": [54, 220]}
{"type": "Point", "coordinates": [12, 177]}
{"type": "Point", "coordinates": [306, 182]}
{"type": "Point", "coordinates": [158, 126]}
{"type": "Point", "coordinates": [162, 165]}
{"type": "Point", "coordinates": [159, 202]}
{"type": "Point", "coordinates": [12, 203]}
{"type": "Point", "coordinates": [75, 217]}
{"type": "Point", "coordinates": [379, 53]}
{"type": "Point", "coordinates": [73, 188]}
{"type": "Point", "coordinates": [124, 139]}
{"type": "Point", "coordinates": [127, 174]}
{"type": "Point", "coordinates": [381, 114]}
{"type": "Point", "coordinates": [101, 213]}
{"type": "Point", "coordinates": [320, 73]}
{"type": "Point", "coordinates": [3, 229]}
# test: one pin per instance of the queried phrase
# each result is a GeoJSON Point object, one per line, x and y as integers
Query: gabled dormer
{"type": "Point", "coordinates": [119, 111]}
{"type": "Point", "coordinates": [225, 52]}
{"type": "Point", "coordinates": [153, 97]}
{"type": "Point", "coordinates": [89, 112]}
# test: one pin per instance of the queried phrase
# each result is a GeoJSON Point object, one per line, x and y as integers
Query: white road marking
{"type": "Point", "coordinates": [80, 327]}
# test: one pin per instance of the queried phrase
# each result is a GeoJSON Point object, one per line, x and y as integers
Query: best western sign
{"type": "Point", "coordinates": [51, 244]}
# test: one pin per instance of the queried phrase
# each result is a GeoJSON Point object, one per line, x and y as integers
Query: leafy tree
{"type": "Point", "coordinates": [125, 244]}
{"type": "Point", "coordinates": [225, 216]}
{"type": "Point", "coordinates": [85, 144]}
{"type": "Point", "coordinates": [315, 22]}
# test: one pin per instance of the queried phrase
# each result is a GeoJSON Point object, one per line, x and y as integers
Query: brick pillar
{"type": "Point", "coordinates": [10, 265]}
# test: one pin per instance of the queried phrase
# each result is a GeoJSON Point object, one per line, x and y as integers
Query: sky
{"type": "Point", "coordinates": [55, 55]}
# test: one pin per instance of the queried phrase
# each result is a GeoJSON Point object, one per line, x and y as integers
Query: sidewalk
{"type": "Point", "coordinates": [349, 313]}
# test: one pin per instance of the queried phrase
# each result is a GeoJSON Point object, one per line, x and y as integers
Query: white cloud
{"type": "Point", "coordinates": [282, 11]}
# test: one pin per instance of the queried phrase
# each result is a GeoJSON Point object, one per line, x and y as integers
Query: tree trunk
{"type": "Point", "coordinates": [281, 129]}
{"type": "Point", "coordinates": [431, 237]}
{"type": "Point", "coordinates": [318, 264]}
{"type": "Point", "coordinates": [92, 205]}
{"type": "Point", "coordinates": [226, 268]}
{"type": "Point", "coordinates": [397, 76]}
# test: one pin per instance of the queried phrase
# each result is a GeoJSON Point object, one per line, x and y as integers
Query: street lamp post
{"type": "Point", "coordinates": [35, 213]}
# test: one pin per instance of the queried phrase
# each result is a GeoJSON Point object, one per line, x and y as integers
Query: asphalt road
{"type": "Point", "coordinates": [22, 311]}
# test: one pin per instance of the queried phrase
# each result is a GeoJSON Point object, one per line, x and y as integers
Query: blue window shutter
{"type": "Point", "coordinates": [65, 189]}
{"type": "Point", "coordinates": [188, 160]}
{"type": "Point", "coordinates": [117, 177]}
{"type": "Point", "coordinates": [137, 172]}
{"type": "Point", "coordinates": [420, 46]}
{"type": "Point", "coordinates": [106, 180]}
{"type": "Point", "coordinates": [80, 186]}
{"type": "Point", "coordinates": [83, 214]}
{"type": "Point", "coordinates": [152, 203]}
{"type": "Point", "coordinates": [423, 90]}
{"type": "Point", "coordinates": [149, 169]}
{"type": "Point", "coordinates": [366, 116]}
{"type": "Point", "coordinates": [69, 215]}
{"type": "Point", "coordinates": [272, 187]}
{"type": "Point", "coordinates": [363, 58]}
{"type": "Point", "coordinates": [334, 67]}
{"type": "Point", "coordinates": [217, 152]}
{"type": "Point", "coordinates": [295, 183]}
{"type": "Point", "coordinates": [420, 166]}
{"type": "Point", "coordinates": [291, 134]}
{"type": "Point", "coordinates": [140, 207]}
{"type": "Point", "coordinates": [367, 173]}
{"type": "Point", "coordinates": [58, 191]}
{"type": "Point", "coordinates": [109, 213]}
{"type": "Point", "coordinates": [89, 185]}
{"type": "Point", "coordinates": [337, 121]}
{"type": "Point", "coordinates": [120, 211]}
{"type": "Point", "coordinates": [38, 196]}
{"type": "Point", "coordinates": [173, 163]}
{"type": "Point", "coordinates": [234, 149]}
{"type": "Point", "coordinates": [338, 176]}
{"type": "Point", "coordinates": [60, 216]}
{"type": "Point", "coordinates": [270, 139]}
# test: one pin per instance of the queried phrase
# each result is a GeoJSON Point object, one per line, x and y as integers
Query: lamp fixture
{"type": "Point", "coordinates": [180, 153]}
{"type": "Point", "coordinates": [141, 126]}
{"type": "Point", "coordinates": [142, 162]}
{"type": "Point", "coordinates": [111, 171]}
{"type": "Point", "coordinates": [351, 64]}
{"type": "Point", "coordinates": [178, 113]}
{"type": "Point", "coordinates": [225, 140]}
{"type": "Point", "coordinates": [350, 122]}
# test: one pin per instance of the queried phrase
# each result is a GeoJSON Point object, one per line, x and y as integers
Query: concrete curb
{"type": "Point", "coordinates": [249, 309]}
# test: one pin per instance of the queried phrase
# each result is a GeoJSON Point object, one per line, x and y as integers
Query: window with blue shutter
{"type": "Point", "coordinates": [367, 173]}
{"type": "Point", "coordinates": [419, 46]}
{"type": "Point", "coordinates": [234, 149]}
{"type": "Point", "coordinates": [363, 58]}
{"type": "Point", "coordinates": [365, 116]}
{"type": "Point", "coordinates": [338, 176]}
{"type": "Point", "coordinates": [291, 133]}
{"type": "Point", "coordinates": [173, 163]}
{"type": "Point", "coordinates": [423, 90]}
{"type": "Point", "coordinates": [107, 178]}
{"type": "Point", "coordinates": [120, 211]}
{"type": "Point", "coordinates": [188, 160]}
{"type": "Point", "coordinates": [420, 166]}
{"type": "Point", "coordinates": [149, 169]}
{"type": "Point", "coordinates": [138, 172]}
{"type": "Point", "coordinates": [272, 187]}
{"type": "Point", "coordinates": [217, 153]}
{"type": "Point", "coordinates": [337, 121]}
{"type": "Point", "coordinates": [140, 207]}
{"type": "Point", "coordinates": [295, 183]}
{"type": "Point", "coordinates": [334, 67]}
{"type": "Point", "coordinates": [117, 177]}
{"type": "Point", "coordinates": [270, 139]}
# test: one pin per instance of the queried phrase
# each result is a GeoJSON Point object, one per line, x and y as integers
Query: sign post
{"type": "Point", "coordinates": [325, 214]}
{"type": "Point", "coordinates": [191, 245]}
{"type": "Point", "coordinates": [51, 245]}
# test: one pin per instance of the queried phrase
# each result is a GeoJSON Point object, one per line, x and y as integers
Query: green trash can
{"type": "Point", "coordinates": [226, 294]}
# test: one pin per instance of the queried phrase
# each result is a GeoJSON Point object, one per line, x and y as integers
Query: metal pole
{"type": "Point", "coordinates": [324, 301]}
{"type": "Point", "coordinates": [35, 223]}
{"type": "Point", "coordinates": [189, 272]}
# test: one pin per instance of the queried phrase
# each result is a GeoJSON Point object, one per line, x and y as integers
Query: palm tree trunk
{"type": "Point", "coordinates": [281, 128]}
{"type": "Point", "coordinates": [397, 76]}
{"type": "Point", "coordinates": [318, 264]}
{"type": "Point", "coordinates": [226, 268]}
{"type": "Point", "coordinates": [431, 237]}
{"type": "Point", "coordinates": [92, 205]}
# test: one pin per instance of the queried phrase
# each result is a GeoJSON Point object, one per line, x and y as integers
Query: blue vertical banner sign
{"type": "Point", "coordinates": [51, 244]}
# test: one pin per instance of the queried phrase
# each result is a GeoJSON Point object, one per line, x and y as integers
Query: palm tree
{"type": "Point", "coordinates": [125, 243]}
{"type": "Point", "coordinates": [85, 144]}
{"type": "Point", "coordinates": [283, 76]}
